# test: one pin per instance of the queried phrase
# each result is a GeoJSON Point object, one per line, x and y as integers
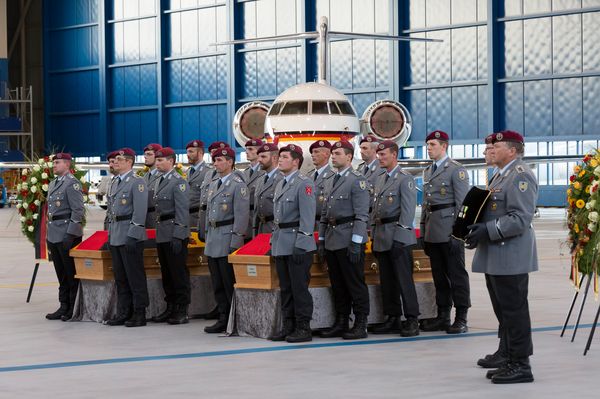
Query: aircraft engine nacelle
{"type": "Point", "coordinates": [387, 120]}
{"type": "Point", "coordinates": [249, 121]}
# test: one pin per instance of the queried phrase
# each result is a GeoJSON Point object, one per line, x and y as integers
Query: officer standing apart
{"type": "Point", "coordinates": [293, 245]}
{"type": "Point", "coordinates": [394, 203]}
{"type": "Point", "coordinates": [445, 185]}
{"type": "Point", "coordinates": [65, 213]}
{"type": "Point", "coordinates": [342, 239]}
{"type": "Point", "coordinates": [320, 152]}
{"type": "Point", "coordinates": [268, 157]}
{"type": "Point", "coordinates": [151, 177]}
{"type": "Point", "coordinates": [506, 252]}
{"type": "Point", "coordinates": [195, 176]}
{"type": "Point", "coordinates": [252, 176]}
{"type": "Point", "coordinates": [227, 217]}
{"type": "Point", "coordinates": [126, 236]}
{"type": "Point", "coordinates": [172, 236]}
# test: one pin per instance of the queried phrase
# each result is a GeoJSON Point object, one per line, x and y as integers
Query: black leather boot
{"type": "Point", "coordinates": [212, 315]}
{"type": "Point", "coordinates": [219, 327]}
{"type": "Point", "coordinates": [164, 316]}
{"type": "Point", "coordinates": [359, 329]}
{"type": "Point", "coordinates": [289, 326]}
{"type": "Point", "coordinates": [393, 324]}
{"type": "Point", "coordinates": [410, 327]}
{"type": "Point", "coordinates": [493, 361]}
{"type": "Point", "coordinates": [515, 372]}
{"type": "Point", "coordinates": [460, 323]}
{"type": "Point", "coordinates": [339, 327]}
{"type": "Point", "coordinates": [138, 319]}
{"type": "Point", "coordinates": [302, 333]}
{"type": "Point", "coordinates": [179, 315]}
{"type": "Point", "coordinates": [61, 311]}
{"type": "Point", "coordinates": [440, 323]}
{"type": "Point", "coordinates": [120, 319]}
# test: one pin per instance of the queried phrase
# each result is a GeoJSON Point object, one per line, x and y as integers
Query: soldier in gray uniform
{"type": "Point", "coordinates": [268, 157]}
{"type": "Point", "coordinates": [293, 245]}
{"type": "Point", "coordinates": [126, 236]}
{"type": "Point", "coordinates": [110, 157]}
{"type": "Point", "coordinates": [64, 231]}
{"type": "Point", "coordinates": [226, 224]}
{"type": "Point", "coordinates": [195, 176]}
{"type": "Point", "coordinates": [342, 239]}
{"type": "Point", "coordinates": [172, 236]}
{"type": "Point", "coordinates": [506, 252]}
{"type": "Point", "coordinates": [445, 185]}
{"type": "Point", "coordinates": [253, 174]}
{"type": "Point", "coordinates": [151, 177]}
{"type": "Point", "coordinates": [393, 237]}
{"type": "Point", "coordinates": [370, 167]}
{"type": "Point", "coordinates": [320, 152]}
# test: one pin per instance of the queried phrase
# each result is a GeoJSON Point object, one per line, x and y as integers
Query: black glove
{"type": "Point", "coordinates": [176, 246]}
{"type": "Point", "coordinates": [130, 244]}
{"type": "Point", "coordinates": [298, 255]}
{"type": "Point", "coordinates": [421, 243]}
{"type": "Point", "coordinates": [353, 253]}
{"type": "Point", "coordinates": [321, 250]}
{"type": "Point", "coordinates": [68, 241]}
{"type": "Point", "coordinates": [478, 233]}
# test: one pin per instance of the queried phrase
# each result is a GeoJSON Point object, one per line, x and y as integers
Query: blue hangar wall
{"type": "Point", "coordinates": [128, 72]}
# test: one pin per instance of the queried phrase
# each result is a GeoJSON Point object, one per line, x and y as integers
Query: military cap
{"type": "Point", "coordinates": [268, 147]}
{"type": "Point", "coordinates": [320, 144]}
{"type": "Point", "coordinates": [217, 144]}
{"type": "Point", "coordinates": [292, 148]}
{"type": "Point", "coordinates": [222, 152]}
{"type": "Point", "coordinates": [507, 135]}
{"type": "Point", "coordinates": [369, 139]}
{"type": "Point", "coordinates": [111, 155]}
{"type": "Point", "coordinates": [63, 155]}
{"type": "Point", "coordinates": [254, 143]}
{"type": "Point", "coordinates": [195, 144]}
{"type": "Point", "coordinates": [437, 135]}
{"type": "Point", "coordinates": [126, 151]}
{"type": "Point", "coordinates": [387, 144]}
{"type": "Point", "coordinates": [165, 152]}
{"type": "Point", "coordinates": [343, 144]}
{"type": "Point", "coordinates": [152, 147]}
{"type": "Point", "coordinates": [489, 139]}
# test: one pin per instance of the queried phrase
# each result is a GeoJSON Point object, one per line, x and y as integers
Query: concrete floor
{"type": "Point", "coordinates": [41, 358]}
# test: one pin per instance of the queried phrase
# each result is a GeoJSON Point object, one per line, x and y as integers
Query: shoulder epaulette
{"type": "Point", "coordinates": [520, 169]}
{"type": "Point", "coordinates": [237, 179]}
{"type": "Point", "coordinates": [356, 173]}
{"type": "Point", "coordinates": [302, 177]}
{"type": "Point", "coordinates": [456, 163]}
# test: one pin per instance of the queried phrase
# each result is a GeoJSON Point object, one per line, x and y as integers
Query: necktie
{"type": "Point", "coordinates": [434, 167]}
{"type": "Point", "coordinates": [192, 170]}
{"type": "Point", "coordinates": [284, 183]}
{"type": "Point", "coordinates": [336, 178]}
{"type": "Point", "coordinates": [162, 178]}
{"type": "Point", "coordinates": [251, 171]}
{"type": "Point", "coordinates": [387, 176]}
{"type": "Point", "coordinates": [266, 178]}
{"type": "Point", "coordinates": [219, 184]}
{"type": "Point", "coordinates": [316, 175]}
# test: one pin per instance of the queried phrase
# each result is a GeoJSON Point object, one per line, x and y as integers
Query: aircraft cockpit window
{"type": "Point", "coordinates": [345, 108]}
{"type": "Point", "coordinates": [275, 108]}
{"type": "Point", "coordinates": [295, 108]}
{"type": "Point", "coordinates": [320, 108]}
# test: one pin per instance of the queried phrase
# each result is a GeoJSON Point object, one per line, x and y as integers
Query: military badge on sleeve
{"type": "Point", "coordinates": [244, 191]}
{"type": "Point", "coordinates": [523, 186]}
{"type": "Point", "coordinates": [76, 186]}
{"type": "Point", "coordinates": [141, 188]}
{"type": "Point", "coordinates": [411, 185]}
{"type": "Point", "coordinates": [362, 184]}
{"type": "Point", "coordinates": [308, 190]}
{"type": "Point", "coordinates": [182, 188]}
{"type": "Point", "coordinates": [462, 175]}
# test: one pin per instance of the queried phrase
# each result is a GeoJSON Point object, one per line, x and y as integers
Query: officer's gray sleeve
{"type": "Point", "coordinates": [308, 209]}
{"type": "Point", "coordinates": [181, 229]}
{"type": "Point", "coordinates": [254, 212]}
{"type": "Point", "coordinates": [408, 202]}
{"type": "Point", "coordinates": [460, 186]}
{"type": "Point", "coordinates": [360, 205]}
{"type": "Point", "coordinates": [521, 198]}
{"type": "Point", "coordinates": [75, 200]}
{"type": "Point", "coordinates": [423, 210]}
{"type": "Point", "coordinates": [322, 227]}
{"type": "Point", "coordinates": [241, 213]}
{"type": "Point", "coordinates": [140, 208]}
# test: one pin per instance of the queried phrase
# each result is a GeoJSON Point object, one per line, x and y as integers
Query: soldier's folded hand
{"type": "Point", "coordinates": [321, 250]}
{"type": "Point", "coordinates": [354, 252]}
{"type": "Point", "coordinates": [130, 244]}
{"type": "Point", "coordinates": [478, 233]}
{"type": "Point", "coordinates": [298, 255]}
{"type": "Point", "coordinates": [68, 241]}
{"type": "Point", "coordinates": [176, 245]}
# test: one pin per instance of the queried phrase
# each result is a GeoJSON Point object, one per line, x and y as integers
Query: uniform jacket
{"type": "Point", "coordinates": [449, 184]}
{"type": "Point", "coordinates": [129, 197]}
{"type": "Point", "coordinates": [371, 173]}
{"type": "Point", "coordinates": [263, 202]}
{"type": "Point", "coordinates": [323, 178]}
{"type": "Point", "coordinates": [151, 180]}
{"type": "Point", "coordinates": [348, 197]}
{"type": "Point", "coordinates": [208, 178]}
{"type": "Point", "coordinates": [65, 198]}
{"type": "Point", "coordinates": [231, 201]}
{"type": "Point", "coordinates": [508, 216]}
{"type": "Point", "coordinates": [397, 198]}
{"type": "Point", "coordinates": [195, 192]}
{"type": "Point", "coordinates": [171, 198]}
{"type": "Point", "coordinates": [294, 203]}
{"type": "Point", "coordinates": [252, 180]}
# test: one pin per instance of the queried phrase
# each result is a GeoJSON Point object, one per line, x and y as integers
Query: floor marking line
{"type": "Point", "coordinates": [265, 349]}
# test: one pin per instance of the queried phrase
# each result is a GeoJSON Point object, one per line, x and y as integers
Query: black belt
{"type": "Point", "coordinates": [288, 225]}
{"type": "Point", "coordinates": [265, 219]}
{"type": "Point", "coordinates": [251, 207]}
{"type": "Point", "coordinates": [220, 223]}
{"type": "Point", "coordinates": [123, 217]}
{"type": "Point", "coordinates": [318, 218]}
{"type": "Point", "coordinates": [151, 209]}
{"type": "Point", "coordinates": [203, 207]}
{"type": "Point", "coordinates": [58, 217]}
{"type": "Point", "coordinates": [335, 222]}
{"type": "Point", "coordinates": [439, 207]}
{"type": "Point", "coordinates": [168, 216]}
{"type": "Point", "coordinates": [194, 209]}
{"type": "Point", "coordinates": [389, 219]}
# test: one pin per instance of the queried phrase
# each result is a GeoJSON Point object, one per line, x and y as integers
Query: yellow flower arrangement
{"type": "Point", "coordinates": [576, 228]}
{"type": "Point", "coordinates": [577, 185]}
{"type": "Point", "coordinates": [593, 162]}
{"type": "Point", "coordinates": [576, 169]}
{"type": "Point", "coordinates": [587, 189]}
{"type": "Point", "coordinates": [580, 203]}
{"type": "Point", "coordinates": [582, 173]}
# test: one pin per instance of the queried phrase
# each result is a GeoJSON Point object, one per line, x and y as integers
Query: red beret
{"type": "Point", "coordinates": [369, 139]}
{"type": "Point", "coordinates": [222, 152]}
{"type": "Point", "coordinates": [387, 144]}
{"type": "Point", "coordinates": [111, 155]}
{"type": "Point", "coordinates": [63, 155]}
{"type": "Point", "coordinates": [165, 152]}
{"type": "Point", "coordinates": [292, 148]}
{"type": "Point", "coordinates": [254, 143]}
{"type": "Point", "coordinates": [125, 151]}
{"type": "Point", "coordinates": [152, 147]}
{"type": "Point", "coordinates": [320, 144]}
{"type": "Point", "coordinates": [217, 144]}
{"type": "Point", "coordinates": [343, 144]}
{"type": "Point", "coordinates": [437, 135]}
{"type": "Point", "coordinates": [489, 139]}
{"type": "Point", "coordinates": [507, 135]}
{"type": "Point", "coordinates": [195, 144]}
{"type": "Point", "coordinates": [268, 147]}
